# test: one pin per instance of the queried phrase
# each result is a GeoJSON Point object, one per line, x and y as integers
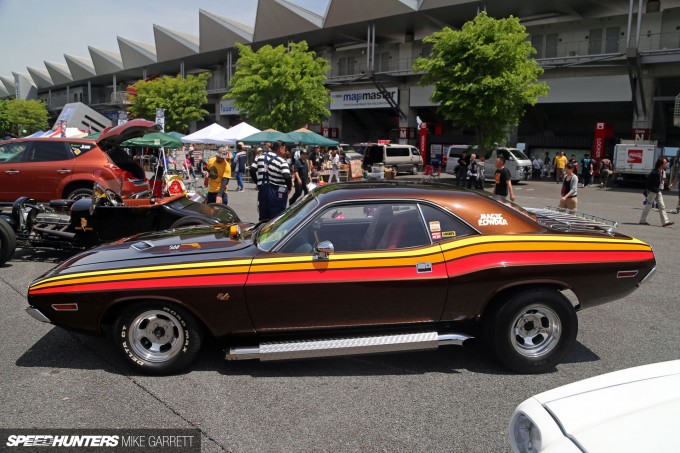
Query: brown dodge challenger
{"type": "Point", "coordinates": [351, 268]}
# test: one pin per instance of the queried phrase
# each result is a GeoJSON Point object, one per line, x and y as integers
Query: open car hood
{"type": "Point", "coordinates": [113, 136]}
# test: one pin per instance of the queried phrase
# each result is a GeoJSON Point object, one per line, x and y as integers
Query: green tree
{"type": "Point", "coordinates": [182, 99]}
{"type": "Point", "coordinates": [483, 76]}
{"type": "Point", "coordinates": [22, 117]}
{"type": "Point", "coordinates": [280, 87]}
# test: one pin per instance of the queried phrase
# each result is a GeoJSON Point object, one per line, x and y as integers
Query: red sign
{"type": "Point", "coordinates": [603, 131]}
{"type": "Point", "coordinates": [383, 142]}
{"type": "Point", "coordinates": [422, 142]}
{"type": "Point", "coordinates": [641, 134]}
{"type": "Point", "coordinates": [634, 156]}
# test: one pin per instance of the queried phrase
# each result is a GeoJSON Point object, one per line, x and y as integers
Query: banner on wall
{"type": "Point", "coordinates": [363, 99]}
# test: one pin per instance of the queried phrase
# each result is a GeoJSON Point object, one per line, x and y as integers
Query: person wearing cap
{"type": "Point", "coordinates": [216, 167]}
{"type": "Point", "coordinates": [239, 165]}
{"type": "Point", "coordinates": [300, 176]}
{"type": "Point", "coordinates": [273, 182]}
{"type": "Point", "coordinates": [225, 178]}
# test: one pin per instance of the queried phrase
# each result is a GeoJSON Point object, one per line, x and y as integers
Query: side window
{"type": "Point", "coordinates": [13, 152]}
{"type": "Point", "coordinates": [45, 151]}
{"type": "Point", "coordinates": [362, 227]}
{"type": "Point", "coordinates": [397, 152]}
{"type": "Point", "coordinates": [442, 226]}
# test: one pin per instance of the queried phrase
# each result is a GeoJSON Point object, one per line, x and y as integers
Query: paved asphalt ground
{"type": "Point", "coordinates": [455, 399]}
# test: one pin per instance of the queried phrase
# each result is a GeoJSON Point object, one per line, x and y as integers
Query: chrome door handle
{"type": "Point", "coordinates": [63, 171]}
{"type": "Point", "coordinates": [11, 172]}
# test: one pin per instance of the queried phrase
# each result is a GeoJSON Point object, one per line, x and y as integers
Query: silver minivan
{"type": "Point", "coordinates": [516, 162]}
{"type": "Point", "coordinates": [401, 158]}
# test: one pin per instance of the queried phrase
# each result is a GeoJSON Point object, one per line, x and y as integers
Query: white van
{"type": "Point", "coordinates": [401, 158]}
{"type": "Point", "coordinates": [453, 153]}
{"type": "Point", "coordinates": [515, 160]}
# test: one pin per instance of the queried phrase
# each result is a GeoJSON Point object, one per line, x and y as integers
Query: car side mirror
{"type": "Point", "coordinates": [323, 250]}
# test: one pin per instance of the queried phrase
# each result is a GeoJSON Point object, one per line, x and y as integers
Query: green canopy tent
{"type": "Point", "coordinates": [307, 137]}
{"type": "Point", "coordinates": [93, 136]}
{"type": "Point", "coordinates": [177, 135]}
{"type": "Point", "coordinates": [154, 140]}
{"type": "Point", "coordinates": [269, 135]}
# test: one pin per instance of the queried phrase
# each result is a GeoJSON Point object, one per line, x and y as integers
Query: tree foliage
{"type": "Point", "coordinates": [182, 99]}
{"type": "Point", "coordinates": [483, 75]}
{"type": "Point", "coordinates": [22, 117]}
{"type": "Point", "coordinates": [280, 87]}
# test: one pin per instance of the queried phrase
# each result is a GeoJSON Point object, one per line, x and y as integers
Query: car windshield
{"type": "Point", "coordinates": [277, 228]}
{"type": "Point", "coordinates": [519, 155]}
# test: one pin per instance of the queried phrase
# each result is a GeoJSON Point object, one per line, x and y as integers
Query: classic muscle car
{"type": "Point", "coordinates": [100, 218]}
{"type": "Point", "coordinates": [351, 268]}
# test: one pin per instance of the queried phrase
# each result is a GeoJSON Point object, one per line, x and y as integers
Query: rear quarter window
{"type": "Point", "coordinates": [79, 149]}
{"type": "Point", "coordinates": [397, 152]}
{"type": "Point", "coordinates": [443, 226]}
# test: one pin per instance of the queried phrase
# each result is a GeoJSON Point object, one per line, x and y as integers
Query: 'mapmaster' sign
{"type": "Point", "coordinates": [363, 99]}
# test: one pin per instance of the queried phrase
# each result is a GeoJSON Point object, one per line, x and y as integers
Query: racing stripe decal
{"type": "Point", "coordinates": [316, 271]}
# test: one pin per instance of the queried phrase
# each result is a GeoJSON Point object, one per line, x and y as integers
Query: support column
{"type": "Point", "coordinates": [643, 117]}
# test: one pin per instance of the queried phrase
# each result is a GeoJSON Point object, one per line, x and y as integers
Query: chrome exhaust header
{"type": "Point", "coordinates": [304, 349]}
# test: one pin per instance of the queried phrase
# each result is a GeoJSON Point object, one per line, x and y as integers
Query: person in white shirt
{"type": "Point", "coordinates": [335, 166]}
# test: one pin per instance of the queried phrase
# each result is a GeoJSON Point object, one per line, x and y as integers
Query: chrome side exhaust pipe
{"type": "Point", "coordinates": [304, 349]}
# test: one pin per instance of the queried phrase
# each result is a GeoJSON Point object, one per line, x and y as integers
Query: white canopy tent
{"type": "Point", "coordinates": [211, 135]}
{"type": "Point", "coordinates": [241, 131]}
{"type": "Point", "coordinates": [218, 135]}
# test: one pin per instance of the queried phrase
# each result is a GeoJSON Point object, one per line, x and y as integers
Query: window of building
{"type": "Point", "coordinates": [595, 41]}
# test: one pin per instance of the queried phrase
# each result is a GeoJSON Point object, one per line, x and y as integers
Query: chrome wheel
{"type": "Point", "coordinates": [536, 331]}
{"type": "Point", "coordinates": [156, 336]}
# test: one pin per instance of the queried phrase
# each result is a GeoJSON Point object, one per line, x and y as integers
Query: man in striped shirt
{"type": "Point", "coordinates": [273, 182]}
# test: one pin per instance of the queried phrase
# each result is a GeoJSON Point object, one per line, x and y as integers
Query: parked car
{"type": "Point", "coordinates": [104, 217]}
{"type": "Point", "coordinates": [46, 169]}
{"type": "Point", "coordinates": [350, 268]}
{"type": "Point", "coordinates": [632, 410]}
{"type": "Point", "coordinates": [400, 158]}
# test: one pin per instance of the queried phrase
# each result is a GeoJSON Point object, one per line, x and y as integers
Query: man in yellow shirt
{"type": "Point", "coordinates": [560, 163]}
{"type": "Point", "coordinates": [216, 167]}
{"type": "Point", "coordinates": [226, 176]}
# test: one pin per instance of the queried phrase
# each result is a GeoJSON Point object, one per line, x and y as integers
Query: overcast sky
{"type": "Point", "coordinates": [34, 31]}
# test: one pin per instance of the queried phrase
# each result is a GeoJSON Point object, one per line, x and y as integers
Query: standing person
{"type": "Point", "coordinates": [335, 166]}
{"type": "Point", "coordinates": [239, 165]}
{"type": "Point", "coordinates": [461, 173]}
{"type": "Point", "coordinates": [300, 176]}
{"type": "Point", "coordinates": [216, 167]}
{"type": "Point", "coordinates": [273, 182]}
{"type": "Point", "coordinates": [473, 172]}
{"type": "Point", "coordinates": [569, 192]}
{"type": "Point", "coordinates": [572, 159]}
{"type": "Point", "coordinates": [479, 185]}
{"type": "Point", "coordinates": [606, 170]}
{"type": "Point", "coordinates": [655, 185]}
{"type": "Point", "coordinates": [587, 170]}
{"type": "Point", "coordinates": [314, 158]}
{"type": "Point", "coordinates": [560, 162]}
{"type": "Point", "coordinates": [225, 179]}
{"type": "Point", "coordinates": [503, 187]}
{"type": "Point", "coordinates": [538, 166]}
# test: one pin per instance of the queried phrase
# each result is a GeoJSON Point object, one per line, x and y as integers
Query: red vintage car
{"type": "Point", "coordinates": [351, 268]}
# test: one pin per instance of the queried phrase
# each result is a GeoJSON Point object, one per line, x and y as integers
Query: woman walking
{"type": "Point", "coordinates": [569, 189]}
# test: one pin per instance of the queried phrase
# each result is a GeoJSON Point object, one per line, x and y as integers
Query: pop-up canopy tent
{"type": "Point", "coordinates": [269, 135]}
{"type": "Point", "coordinates": [154, 140]}
{"type": "Point", "coordinates": [211, 135]}
{"type": "Point", "coordinates": [307, 137]}
{"type": "Point", "coordinates": [240, 131]}
{"type": "Point", "coordinates": [217, 135]}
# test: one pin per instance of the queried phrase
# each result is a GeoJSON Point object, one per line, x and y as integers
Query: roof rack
{"type": "Point", "coordinates": [563, 220]}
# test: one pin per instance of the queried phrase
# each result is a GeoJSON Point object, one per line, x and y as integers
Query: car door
{"type": "Point", "coordinates": [47, 164]}
{"type": "Point", "coordinates": [12, 170]}
{"type": "Point", "coordinates": [385, 270]}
